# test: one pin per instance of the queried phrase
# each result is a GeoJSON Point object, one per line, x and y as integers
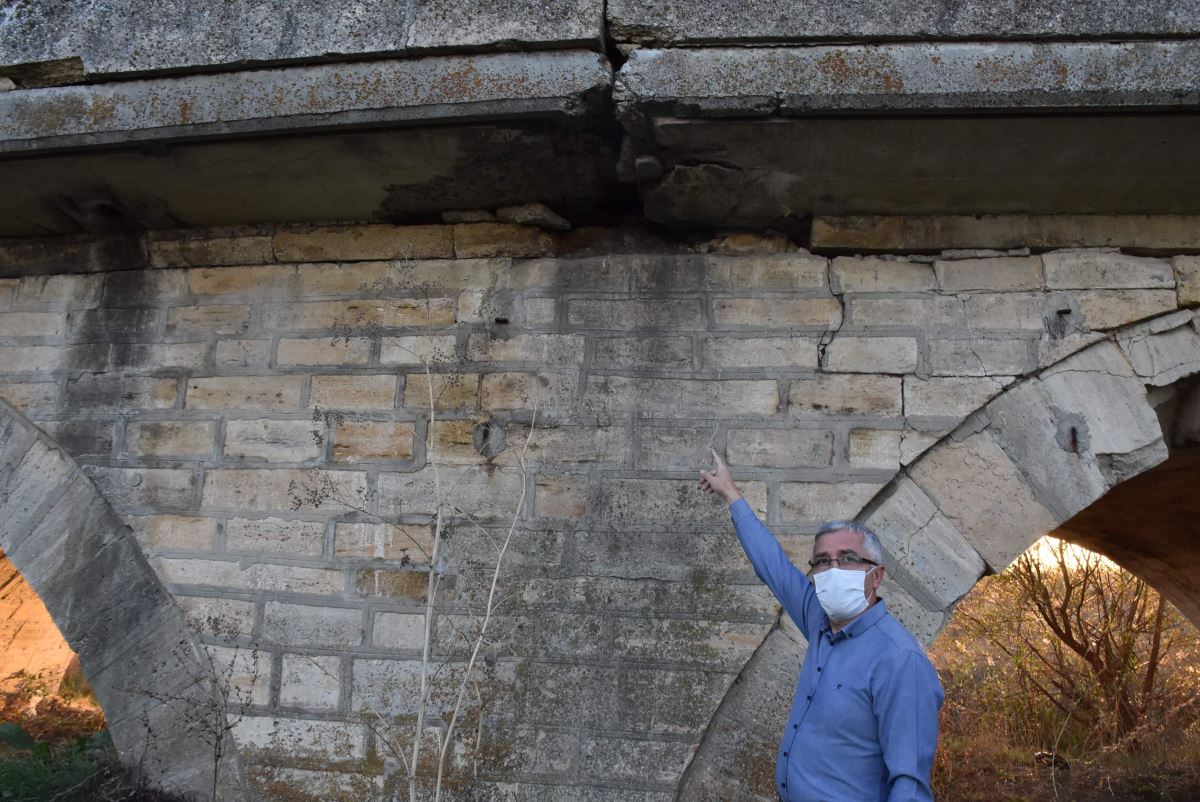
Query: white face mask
{"type": "Point", "coordinates": [840, 592]}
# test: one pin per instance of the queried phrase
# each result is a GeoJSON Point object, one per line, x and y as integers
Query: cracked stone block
{"type": "Point", "coordinates": [1100, 386]}
{"type": "Point", "coordinates": [1187, 278]}
{"type": "Point", "coordinates": [1107, 309]}
{"type": "Point", "coordinates": [1163, 351]}
{"type": "Point", "coordinates": [1003, 274]}
{"type": "Point", "coordinates": [1103, 269]}
{"type": "Point", "coordinates": [855, 274]}
{"type": "Point", "coordinates": [948, 397]}
{"type": "Point", "coordinates": [1037, 435]}
{"type": "Point", "coordinates": [979, 357]}
{"type": "Point", "coordinates": [982, 493]}
{"type": "Point", "coordinates": [926, 548]}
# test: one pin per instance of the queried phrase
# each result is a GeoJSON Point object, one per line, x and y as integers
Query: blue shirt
{"type": "Point", "coordinates": [864, 721]}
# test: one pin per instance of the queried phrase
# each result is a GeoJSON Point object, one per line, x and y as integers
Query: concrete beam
{"type": "Point", "coordinates": [662, 22]}
{"type": "Point", "coordinates": [429, 90]}
{"type": "Point", "coordinates": [713, 82]}
{"type": "Point", "coordinates": [119, 37]}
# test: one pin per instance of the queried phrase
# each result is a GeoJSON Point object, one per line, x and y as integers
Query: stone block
{"type": "Point", "coordinates": [741, 353]}
{"type": "Point", "coordinates": [1013, 311]}
{"type": "Point", "coordinates": [273, 440]}
{"type": "Point", "coordinates": [783, 271]}
{"type": "Point", "coordinates": [551, 443]}
{"type": "Point", "coordinates": [376, 279]}
{"type": "Point", "coordinates": [70, 291]}
{"type": "Point", "coordinates": [226, 618]}
{"type": "Point", "coordinates": [181, 532]}
{"type": "Point", "coordinates": [474, 240]}
{"type": "Point", "coordinates": [157, 488]}
{"type": "Point", "coordinates": [310, 682]}
{"type": "Point", "coordinates": [384, 541]}
{"type": "Point", "coordinates": [982, 493]}
{"type": "Point", "coordinates": [561, 496]}
{"type": "Point", "coordinates": [924, 547]}
{"type": "Point", "coordinates": [680, 702]}
{"type": "Point", "coordinates": [894, 355]}
{"type": "Point", "coordinates": [667, 272]}
{"type": "Point", "coordinates": [928, 312]}
{"type": "Point", "coordinates": [817, 502]}
{"type": "Point", "coordinates": [615, 758]}
{"type": "Point", "coordinates": [635, 315]}
{"type": "Point", "coordinates": [716, 644]}
{"type": "Point", "coordinates": [242, 353]}
{"type": "Point", "coordinates": [643, 352]}
{"type": "Point", "coordinates": [274, 536]}
{"type": "Point", "coordinates": [680, 398]}
{"type": "Point", "coordinates": [269, 281]}
{"type": "Point", "coordinates": [325, 786]}
{"type": "Point", "coordinates": [1105, 269]}
{"type": "Point", "coordinates": [156, 356]}
{"type": "Point", "coordinates": [33, 324]}
{"type": "Point", "coordinates": [363, 242]}
{"type": "Point", "coordinates": [1099, 386]}
{"type": "Point", "coordinates": [875, 449]}
{"type": "Point", "coordinates": [144, 287]}
{"type": "Point", "coordinates": [1050, 446]}
{"type": "Point", "coordinates": [950, 397]}
{"type": "Point", "coordinates": [560, 349]}
{"type": "Point", "coordinates": [283, 490]}
{"type": "Point", "coordinates": [108, 392]}
{"type": "Point", "coordinates": [548, 393]}
{"type": "Point", "coordinates": [674, 448]}
{"type": "Point", "coordinates": [41, 479]}
{"type": "Point", "coordinates": [50, 358]}
{"type": "Point", "coordinates": [305, 625]}
{"type": "Point", "coordinates": [31, 398]}
{"type": "Point", "coordinates": [453, 442]}
{"type": "Point", "coordinates": [353, 392]}
{"type": "Point", "coordinates": [657, 501]}
{"type": "Point", "coordinates": [587, 694]}
{"type": "Point", "coordinates": [780, 448]}
{"type": "Point", "coordinates": [1107, 309]}
{"type": "Point", "coordinates": [300, 739]}
{"type": "Point", "coordinates": [81, 438]}
{"type": "Point", "coordinates": [1187, 279]}
{"type": "Point", "coordinates": [980, 357]}
{"type": "Point", "coordinates": [369, 314]}
{"type": "Point", "coordinates": [371, 441]}
{"type": "Point", "coordinates": [166, 250]}
{"type": "Point", "coordinates": [323, 351]}
{"type": "Point", "coordinates": [608, 273]}
{"type": "Point", "coordinates": [923, 623]}
{"type": "Point", "coordinates": [245, 576]}
{"type": "Point", "coordinates": [468, 490]}
{"type": "Point", "coordinates": [398, 631]}
{"type": "Point", "coordinates": [865, 274]}
{"type": "Point", "coordinates": [417, 350]}
{"type": "Point", "coordinates": [211, 318]}
{"type": "Point", "coordinates": [245, 392]}
{"type": "Point", "coordinates": [170, 438]}
{"type": "Point", "coordinates": [786, 312]}
{"type": "Point", "coordinates": [846, 394]}
{"type": "Point", "coordinates": [450, 391]}
{"type": "Point", "coordinates": [392, 583]}
{"type": "Point", "coordinates": [1164, 353]}
{"type": "Point", "coordinates": [538, 311]}
{"type": "Point", "coordinates": [1001, 274]}
{"type": "Point", "coordinates": [114, 325]}
{"type": "Point", "coordinates": [244, 674]}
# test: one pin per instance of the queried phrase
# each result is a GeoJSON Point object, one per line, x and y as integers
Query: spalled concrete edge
{"type": "Point", "coordinates": [428, 90]}
{"type": "Point", "coordinates": [148, 669]}
{"type": "Point", "coordinates": [725, 81]}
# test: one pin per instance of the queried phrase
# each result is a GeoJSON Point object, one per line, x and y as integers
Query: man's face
{"type": "Point", "coordinates": [843, 541]}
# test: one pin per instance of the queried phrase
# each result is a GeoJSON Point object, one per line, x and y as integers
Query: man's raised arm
{"type": "Point", "coordinates": [790, 586]}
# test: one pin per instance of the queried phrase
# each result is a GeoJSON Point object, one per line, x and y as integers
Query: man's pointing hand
{"type": "Point", "coordinates": [719, 480]}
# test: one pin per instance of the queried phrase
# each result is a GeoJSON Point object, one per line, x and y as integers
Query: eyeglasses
{"type": "Point", "coordinates": [849, 560]}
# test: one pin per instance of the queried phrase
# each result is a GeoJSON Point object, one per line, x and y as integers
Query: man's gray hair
{"type": "Point", "coordinates": [871, 544]}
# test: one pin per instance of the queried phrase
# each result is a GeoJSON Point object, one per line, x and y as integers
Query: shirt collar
{"type": "Point", "coordinates": [859, 625]}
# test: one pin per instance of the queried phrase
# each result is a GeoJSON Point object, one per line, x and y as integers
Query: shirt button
{"type": "Point", "coordinates": [809, 698]}
{"type": "Point", "coordinates": [795, 726]}
{"type": "Point", "coordinates": [785, 754]}
{"type": "Point", "coordinates": [818, 668]}
{"type": "Point", "coordinates": [783, 785]}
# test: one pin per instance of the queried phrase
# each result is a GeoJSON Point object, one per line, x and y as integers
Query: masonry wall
{"type": "Point", "coordinates": [257, 406]}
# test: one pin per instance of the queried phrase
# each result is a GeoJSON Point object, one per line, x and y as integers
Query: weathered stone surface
{"type": "Point", "coordinates": [999, 522]}
{"type": "Point", "coordinates": [663, 23]}
{"type": "Point", "coordinates": [948, 397]}
{"type": "Point", "coordinates": [1187, 277]}
{"type": "Point", "coordinates": [282, 490]}
{"type": "Point", "coordinates": [533, 214]}
{"type": "Point", "coordinates": [1102, 269]}
{"type": "Point", "coordinates": [274, 535]}
{"type": "Point", "coordinates": [792, 271]}
{"type": "Point", "coordinates": [625, 395]}
{"type": "Point", "coordinates": [262, 282]}
{"type": "Point", "coordinates": [353, 243]}
{"type": "Point", "coordinates": [311, 682]}
{"type": "Point", "coordinates": [359, 441]}
{"type": "Point", "coordinates": [247, 576]}
{"type": "Point", "coordinates": [259, 392]}
{"type": "Point", "coordinates": [895, 355]}
{"type": "Point", "coordinates": [997, 275]}
{"type": "Point", "coordinates": [623, 315]}
{"type": "Point", "coordinates": [273, 440]}
{"type": "Point", "coordinates": [925, 548]}
{"type": "Point", "coordinates": [980, 357]}
{"type": "Point", "coordinates": [847, 394]}
{"type": "Point", "coordinates": [166, 250]}
{"type": "Point", "coordinates": [822, 313]}
{"type": "Point", "coordinates": [875, 448]}
{"type": "Point", "coordinates": [323, 351]}
{"type": "Point", "coordinates": [472, 240]}
{"type": "Point", "coordinates": [740, 353]}
{"type": "Point", "coordinates": [637, 352]}
{"type": "Point", "coordinates": [780, 448]}
{"type": "Point", "coordinates": [1163, 351]}
{"type": "Point", "coordinates": [817, 502]}
{"type": "Point", "coordinates": [170, 438]}
{"type": "Point", "coordinates": [302, 625]}
{"type": "Point", "coordinates": [904, 312]}
{"type": "Point", "coordinates": [857, 274]}
{"type": "Point", "coordinates": [353, 392]}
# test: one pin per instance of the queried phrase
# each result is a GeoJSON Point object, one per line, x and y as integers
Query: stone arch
{"type": "Point", "coordinates": [152, 677]}
{"type": "Point", "coordinates": [1071, 449]}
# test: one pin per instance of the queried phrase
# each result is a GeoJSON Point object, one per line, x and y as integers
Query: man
{"type": "Point", "coordinates": [864, 720]}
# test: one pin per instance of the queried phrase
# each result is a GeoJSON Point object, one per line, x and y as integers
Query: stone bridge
{"type": "Point", "coordinates": [281, 307]}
